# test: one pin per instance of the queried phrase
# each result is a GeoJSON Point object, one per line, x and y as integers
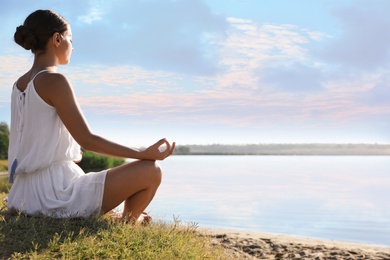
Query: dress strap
{"type": "Point", "coordinates": [38, 74]}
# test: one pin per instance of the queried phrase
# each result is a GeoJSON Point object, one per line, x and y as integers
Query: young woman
{"type": "Point", "coordinates": [47, 129]}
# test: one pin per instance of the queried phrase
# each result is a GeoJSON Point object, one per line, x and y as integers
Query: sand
{"type": "Point", "coordinates": [249, 245]}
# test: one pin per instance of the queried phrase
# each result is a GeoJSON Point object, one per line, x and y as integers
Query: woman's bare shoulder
{"type": "Point", "coordinates": [22, 82]}
{"type": "Point", "coordinates": [52, 78]}
{"type": "Point", "coordinates": [51, 86]}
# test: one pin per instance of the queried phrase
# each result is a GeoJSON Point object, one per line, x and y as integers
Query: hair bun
{"type": "Point", "coordinates": [25, 37]}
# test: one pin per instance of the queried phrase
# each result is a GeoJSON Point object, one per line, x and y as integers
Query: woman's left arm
{"type": "Point", "coordinates": [61, 96]}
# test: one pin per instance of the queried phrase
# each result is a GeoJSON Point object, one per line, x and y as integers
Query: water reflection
{"type": "Point", "coordinates": [341, 198]}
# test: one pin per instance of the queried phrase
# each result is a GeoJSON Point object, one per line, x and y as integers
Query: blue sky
{"type": "Point", "coordinates": [231, 72]}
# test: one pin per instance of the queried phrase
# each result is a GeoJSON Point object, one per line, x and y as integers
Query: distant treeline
{"type": "Point", "coordinates": [284, 149]}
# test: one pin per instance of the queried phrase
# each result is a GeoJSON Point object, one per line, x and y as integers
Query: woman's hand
{"type": "Point", "coordinates": [81, 157]}
{"type": "Point", "coordinates": [154, 152]}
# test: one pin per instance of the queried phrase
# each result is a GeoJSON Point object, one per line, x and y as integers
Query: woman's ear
{"type": "Point", "coordinates": [56, 39]}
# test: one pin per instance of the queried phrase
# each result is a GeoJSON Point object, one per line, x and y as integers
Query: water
{"type": "Point", "coordinates": [344, 198]}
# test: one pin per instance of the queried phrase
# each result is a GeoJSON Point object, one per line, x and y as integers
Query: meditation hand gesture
{"type": "Point", "coordinates": [154, 152]}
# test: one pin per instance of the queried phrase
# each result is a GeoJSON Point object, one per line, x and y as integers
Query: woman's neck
{"type": "Point", "coordinates": [40, 65]}
{"type": "Point", "coordinates": [44, 61]}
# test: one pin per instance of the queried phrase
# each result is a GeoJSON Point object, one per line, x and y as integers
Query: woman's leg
{"type": "Point", "coordinates": [135, 183]}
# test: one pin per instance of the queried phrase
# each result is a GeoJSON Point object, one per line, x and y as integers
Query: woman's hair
{"type": "Point", "coordinates": [37, 29]}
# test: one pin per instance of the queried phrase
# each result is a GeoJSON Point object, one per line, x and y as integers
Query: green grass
{"type": "Point", "coordinates": [3, 165]}
{"type": "Point", "coordinates": [5, 186]}
{"type": "Point", "coordinates": [26, 237]}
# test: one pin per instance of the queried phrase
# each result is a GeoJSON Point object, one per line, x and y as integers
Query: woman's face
{"type": "Point", "coordinates": [65, 47]}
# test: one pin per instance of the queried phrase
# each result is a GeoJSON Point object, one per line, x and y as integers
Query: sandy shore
{"type": "Point", "coordinates": [248, 245]}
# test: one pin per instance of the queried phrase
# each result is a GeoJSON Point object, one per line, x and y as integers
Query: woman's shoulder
{"type": "Point", "coordinates": [52, 78]}
{"type": "Point", "coordinates": [51, 81]}
{"type": "Point", "coordinates": [22, 82]}
{"type": "Point", "coordinates": [51, 86]}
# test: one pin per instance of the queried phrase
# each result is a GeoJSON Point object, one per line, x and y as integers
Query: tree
{"type": "Point", "coordinates": [180, 149]}
{"type": "Point", "coordinates": [4, 141]}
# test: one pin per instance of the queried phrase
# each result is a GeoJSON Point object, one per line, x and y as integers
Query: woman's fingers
{"type": "Point", "coordinates": [169, 148]}
{"type": "Point", "coordinates": [172, 148]}
{"type": "Point", "coordinates": [155, 153]}
{"type": "Point", "coordinates": [161, 142]}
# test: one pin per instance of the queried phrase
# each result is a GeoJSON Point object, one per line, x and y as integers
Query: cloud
{"type": "Point", "coordinates": [133, 60]}
{"type": "Point", "coordinates": [379, 94]}
{"type": "Point", "coordinates": [12, 67]}
{"type": "Point", "coordinates": [94, 14]}
{"type": "Point", "coordinates": [128, 78]}
{"type": "Point", "coordinates": [364, 42]}
{"type": "Point", "coordinates": [261, 56]}
{"type": "Point", "coordinates": [296, 77]}
{"type": "Point", "coordinates": [268, 76]}
{"type": "Point", "coordinates": [12, 10]}
{"type": "Point", "coordinates": [169, 35]}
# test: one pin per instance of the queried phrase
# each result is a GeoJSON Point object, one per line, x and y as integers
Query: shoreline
{"type": "Point", "coordinates": [256, 245]}
{"type": "Point", "coordinates": [260, 245]}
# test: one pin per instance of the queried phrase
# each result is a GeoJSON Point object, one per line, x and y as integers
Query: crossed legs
{"type": "Point", "coordinates": [134, 183]}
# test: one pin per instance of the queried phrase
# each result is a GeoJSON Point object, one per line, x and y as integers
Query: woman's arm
{"type": "Point", "coordinates": [59, 94]}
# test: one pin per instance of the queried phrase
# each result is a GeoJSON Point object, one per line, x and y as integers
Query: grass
{"type": "Point", "coordinates": [3, 165]}
{"type": "Point", "coordinates": [26, 237]}
{"type": "Point", "coordinates": [5, 186]}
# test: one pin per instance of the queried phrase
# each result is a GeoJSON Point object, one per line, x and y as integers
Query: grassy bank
{"type": "Point", "coordinates": [24, 237]}
{"type": "Point", "coordinates": [3, 165]}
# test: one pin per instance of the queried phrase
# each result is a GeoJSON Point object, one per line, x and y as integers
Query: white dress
{"type": "Point", "coordinates": [46, 179]}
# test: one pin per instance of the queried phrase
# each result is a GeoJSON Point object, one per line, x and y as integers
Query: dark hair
{"type": "Point", "coordinates": [37, 29]}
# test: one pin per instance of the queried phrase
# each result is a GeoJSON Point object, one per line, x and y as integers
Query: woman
{"type": "Point", "coordinates": [47, 129]}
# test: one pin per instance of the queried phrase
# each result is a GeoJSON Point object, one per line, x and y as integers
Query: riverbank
{"type": "Point", "coordinates": [249, 245]}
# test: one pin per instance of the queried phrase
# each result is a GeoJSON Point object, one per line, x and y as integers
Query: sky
{"type": "Point", "coordinates": [220, 72]}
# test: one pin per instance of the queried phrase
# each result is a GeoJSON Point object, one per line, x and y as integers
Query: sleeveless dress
{"type": "Point", "coordinates": [41, 155]}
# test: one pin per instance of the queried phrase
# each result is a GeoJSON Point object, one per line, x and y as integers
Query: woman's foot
{"type": "Point", "coordinates": [115, 215]}
{"type": "Point", "coordinates": [143, 219]}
